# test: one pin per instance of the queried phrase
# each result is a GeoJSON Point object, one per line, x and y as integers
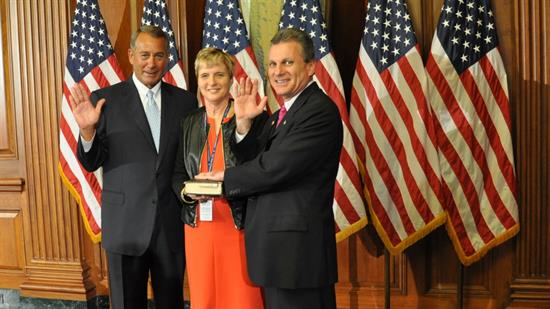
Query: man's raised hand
{"type": "Point", "coordinates": [246, 108]}
{"type": "Point", "coordinates": [84, 112]}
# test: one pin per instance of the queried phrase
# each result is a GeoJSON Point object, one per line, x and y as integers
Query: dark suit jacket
{"type": "Point", "coordinates": [136, 180]}
{"type": "Point", "coordinates": [289, 227]}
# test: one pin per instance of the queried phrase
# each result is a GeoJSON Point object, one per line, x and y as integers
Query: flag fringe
{"type": "Point", "coordinates": [395, 250]}
{"type": "Point", "coordinates": [96, 238]}
{"type": "Point", "coordinates": [345, 233]}
{"type": "Point", "coordinates": [413, 238]}
{"type": "Point", "coordinates": [361, 223]}
{"type": "Point", "coordinates": [469, 260]}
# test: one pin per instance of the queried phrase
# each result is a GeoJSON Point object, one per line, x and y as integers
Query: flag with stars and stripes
{"type": "Point", "coordinates": [155, 13]}
{"type": "Point", "coordinates": [469, 97]}
{"type": "Point", "coordinates": [224, 29]}
{"type": "Point", "coordinates": [90, 62]}
{"type": "Point", "coordinates": [393, 128]}
{"type": "Point", "coordinates": [349, 207]}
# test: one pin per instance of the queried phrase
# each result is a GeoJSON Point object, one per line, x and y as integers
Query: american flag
{"type": "Point", "coordinates": [393, 128]}
{"type": "Point", "coordinates": [469, 96]}
{"type": "Point", "coordinates": [224, 29]}
{"type": "Point", "coordinates": [349, 207]}
{"type": "Point", "coordinates": [155, 13]}
{"type": "Point", "coordinates": [92, 63]}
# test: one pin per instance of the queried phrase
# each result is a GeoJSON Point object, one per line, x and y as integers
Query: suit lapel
{"type": "Point", "coordinates": [136, 109]}
{"type": "Point", "coordinates": [289, 117]}
{"type": "Point", "coordinates": [273, 129]}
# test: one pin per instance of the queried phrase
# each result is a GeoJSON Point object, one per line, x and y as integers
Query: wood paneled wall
{"type": "Point", "coordinates": [44, 249]}
{"type": "Point", "coordinates": [529, 50]}
{"type": "Point", "coordinates": [40, 221]}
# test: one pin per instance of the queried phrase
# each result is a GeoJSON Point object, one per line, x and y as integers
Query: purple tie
{"type": "Point", "coordinates": [282, 113]}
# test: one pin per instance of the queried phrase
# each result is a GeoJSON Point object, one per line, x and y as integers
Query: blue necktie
{"type": "Point", "coordinates": [153, 116]}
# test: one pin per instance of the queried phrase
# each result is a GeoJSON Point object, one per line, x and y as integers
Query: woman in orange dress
{"type": "Point", "coordinates": [214, 242]}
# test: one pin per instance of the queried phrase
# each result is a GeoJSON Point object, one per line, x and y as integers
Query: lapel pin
{"type": "Point", "coordinates": [272, 122]}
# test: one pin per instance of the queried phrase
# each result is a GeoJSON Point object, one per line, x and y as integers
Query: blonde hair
{"type": "Point", "coordinates": [211, 56]}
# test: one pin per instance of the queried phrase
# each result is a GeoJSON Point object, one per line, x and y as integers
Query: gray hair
{"type": "Point", "coordinates": [153, 31]}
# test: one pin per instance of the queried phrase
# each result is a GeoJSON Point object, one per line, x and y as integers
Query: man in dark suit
{"type": "Point", "coordinates": [131, 129]}
{"type": "Point", "coordinates": [289, 180]}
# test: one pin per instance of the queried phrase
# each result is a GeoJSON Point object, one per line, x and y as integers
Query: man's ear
{"type": "Point", "coordinates": [310, 67]}
{"type": "Point", "coordinates": [131, 55]}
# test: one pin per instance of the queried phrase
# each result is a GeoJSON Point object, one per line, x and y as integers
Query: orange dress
{"type": "Point", "coordinates": [214, 251]}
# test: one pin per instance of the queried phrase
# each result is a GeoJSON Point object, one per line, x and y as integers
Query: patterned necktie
{"type": "Point", "coordinates": [282, 113]}
{"type": "Point", "coordinates": [153, 116]}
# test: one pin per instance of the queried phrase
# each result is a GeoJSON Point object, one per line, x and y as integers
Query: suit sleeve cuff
{"type": "Point", "coordinates": [87, 145]}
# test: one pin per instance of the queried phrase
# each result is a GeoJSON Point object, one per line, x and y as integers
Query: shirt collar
{"type": "Point", "coordinates": [142, 89]}
{"type": "Point", "coordinates": [291, 101]}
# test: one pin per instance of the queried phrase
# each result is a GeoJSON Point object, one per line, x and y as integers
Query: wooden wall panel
{"type": "Point", "coordinates": [118, 20]}
{"type": "Point", "coordinates": [178, 14]}
{"type": "Point", "coordinates": [7, 112]}
{"type": "Point", "coordinates": [194, 18]}
{"type": "Point", "coordinates": [7, 121]}
{"type": "Point", "coordinates": [346, 47]}
{"type": "Point", "coordinates": [12, 184]}
{"type": "Point", "coordinates": [12, 250]}
{"type": "Point", "coordinates": [51, 227]}
{"type": "Point", "coordinates": [11, 238]}
{"type": "Point", "coordinates": [531, 97]}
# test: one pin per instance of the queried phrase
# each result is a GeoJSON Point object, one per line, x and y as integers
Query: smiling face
{"type": "Point", "coordinates": [214, 82]}
{"type": "Point", "coordinates": [288, 72]}
{"type": "Point", "coordinates": [148, 58]}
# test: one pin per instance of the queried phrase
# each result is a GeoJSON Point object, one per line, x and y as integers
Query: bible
{"type": "Point", "coordinates": [202, 187]}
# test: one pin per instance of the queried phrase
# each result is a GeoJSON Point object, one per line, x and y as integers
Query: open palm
{"type": "Point", "coordinates": [84, 112]}
{"type": "Point", "coordinates": [246, 107]}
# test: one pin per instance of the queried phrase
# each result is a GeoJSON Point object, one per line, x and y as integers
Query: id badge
{"type": "Point", "coordinates": [206, 210]}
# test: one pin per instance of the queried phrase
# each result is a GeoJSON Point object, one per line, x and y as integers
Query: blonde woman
{"type": "Point", "coordinates": [214, 242]}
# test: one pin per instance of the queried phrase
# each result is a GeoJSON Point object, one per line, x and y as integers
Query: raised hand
{"type": "Point", "coordinates": [245, 107]}
{"type": "Point", "coordinates": [84, 112]}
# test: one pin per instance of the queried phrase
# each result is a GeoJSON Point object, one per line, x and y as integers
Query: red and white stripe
{"type": "Point", "coordinates": [175, 76]}
{"type": "Point", "coordinates": [349, 207]}
{"type": "Point", "coordinates": [475, 149]}
{"type": "Point", "coordinates": [84, 186]}
{"type": "Point", "coordinates": [395, 142]}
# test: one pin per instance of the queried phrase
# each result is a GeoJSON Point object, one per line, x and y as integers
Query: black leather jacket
{"type": "Point", "coordinates": [191, 146]}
